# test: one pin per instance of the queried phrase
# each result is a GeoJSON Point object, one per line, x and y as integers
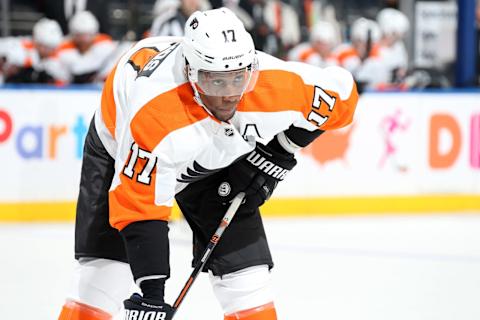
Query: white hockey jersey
{"type": "Point", "coordinates": [162, 140]}
{"type": "Point", "coordinates": [304, 52]}
{"type": "Point", "coordinates": [92, 61]}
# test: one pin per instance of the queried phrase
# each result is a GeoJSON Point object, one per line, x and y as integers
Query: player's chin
{"type": "Point", "coordinates": [225, 114]}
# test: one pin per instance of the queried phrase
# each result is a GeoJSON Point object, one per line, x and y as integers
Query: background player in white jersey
{"type": "Point", "coordinates": [86, 52]}
{"type": "Point", "coordinates": [319, 50]}
{"type": "Point", "coordinates": [195, 120]}
{"type": "Point", "coordinates": [35, 59]}
{"type": "Point", "coordinates": [394, 26]}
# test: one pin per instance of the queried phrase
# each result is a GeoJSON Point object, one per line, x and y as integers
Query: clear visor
{"type": "Point", "coordinates": [226, 83]}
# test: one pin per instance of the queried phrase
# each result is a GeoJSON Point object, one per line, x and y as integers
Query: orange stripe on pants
{"type": "Point", "coordinates": [265, 312]}
{"type": "Point", "coordinates": [78, 311]}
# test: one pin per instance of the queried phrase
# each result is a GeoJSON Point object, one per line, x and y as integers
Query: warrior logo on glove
{"type": "Point", "coordinates": [268, 167]}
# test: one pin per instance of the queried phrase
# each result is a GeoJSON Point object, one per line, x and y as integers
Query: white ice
{"type": "Point", "coordinates": [364, 268]}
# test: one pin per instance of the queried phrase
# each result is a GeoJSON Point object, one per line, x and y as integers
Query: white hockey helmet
{"type": "Point", "coordinates": [83, 22]}
{"type": "Point", "coordinates": [216, 44]}
{"type": "Point", "coordinates": [362, 28]}
{"type": "Point", "coordinates": [392, 21]}
{"type": "Point", "coordinates": [47, 32]}
{"type": "Point", "coordinates": [325, 32]}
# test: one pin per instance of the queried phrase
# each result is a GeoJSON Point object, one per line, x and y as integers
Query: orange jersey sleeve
{"type": "Point", "coordinates": [327, 97]}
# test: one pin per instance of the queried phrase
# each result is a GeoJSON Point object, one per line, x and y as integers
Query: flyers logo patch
{"type": "Point", "coordinates": [142, 57]}
{"type": "Point", "coordinates": [146, 60]}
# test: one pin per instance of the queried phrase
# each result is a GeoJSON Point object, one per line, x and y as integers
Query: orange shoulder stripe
{"type": "Point", "coordinates": [28, 44]}
{"type": "Point", "coordinates": [66, 45]}
{"type": "Point", "coordinates": [305, 54]}
{"type": "Point", "coordinates": [163, 114]}
{"type": "Point", "coordinates": [276, 90]}
{"type": "Point", "coordinates": [101, 37]}
{"type": "Point", "coordinates": [345, 54]}
{"type": "Point", "coordinates": [108, 106]}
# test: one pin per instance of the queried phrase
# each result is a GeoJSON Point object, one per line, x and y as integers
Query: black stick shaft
{"type": "Point", "coordinates": [227, 218]}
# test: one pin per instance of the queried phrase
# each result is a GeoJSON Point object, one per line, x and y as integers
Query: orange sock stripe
{"type": "Point", "coordinates": [265, 312]}
{"type": "Point", "coordinates": [78, 311]}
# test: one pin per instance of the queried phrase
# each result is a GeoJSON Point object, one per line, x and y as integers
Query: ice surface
{"type": "Point", "coordinates": [373, 268]}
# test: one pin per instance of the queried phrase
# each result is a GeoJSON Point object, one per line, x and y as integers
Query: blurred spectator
{"type": "Point", "coordinates": [241, 13]}
{"type": "Point", "coordinates": [63, 10]}
{"type": "Point", "coordinates": [276, 25]}
{"type": "Point", "coordinates": [260, 30]}
{"type": "Point", "coordinates": [394, 26]}
{"type": "Point", "coordinates": [7, 45]}
{"type": "Point", "coordinates": [86, 52]}
{"type": "Point", "coordinates": [362, 55]}
{"type": "Point", "coordinates": [35, 60]}
{"type": "Point", "coordinates": [172, 15]}
{"type": "Point", "coordinates": [283, 20]}
{"type": "Point", "coordinates": [318, 51]}
{"type": "Point", "coordinates": [391, 4]}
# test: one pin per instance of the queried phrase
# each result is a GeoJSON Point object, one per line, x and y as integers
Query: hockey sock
{"type": "Point", "coordinates": [78, 311]}
{"type": "Point", "coordinates": [265, 312]}
{"type": "Point", "coordinates": [153, 289]}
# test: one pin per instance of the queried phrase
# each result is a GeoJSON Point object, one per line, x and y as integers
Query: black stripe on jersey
{"type": "Point", "coordinates": [197, 173]}
{"type": "Point", "coordinates": [193, 173]}
{"type": "Point", "coordinates": [197, 167]}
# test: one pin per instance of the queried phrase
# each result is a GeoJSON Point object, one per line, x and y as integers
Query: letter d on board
{"type": "Point", "coordinates": [474, 141]}
{"type": "Point", "coordinates": [443, 123]}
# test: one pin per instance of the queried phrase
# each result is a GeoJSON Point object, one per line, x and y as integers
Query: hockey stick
{"type": "Point", "coordinates": [227, 218]}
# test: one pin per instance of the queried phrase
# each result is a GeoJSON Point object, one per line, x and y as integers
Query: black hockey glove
{"type": "Point", "coordinates": [138, 308]}
{"type": "Point", "coordinates": [257, 174]}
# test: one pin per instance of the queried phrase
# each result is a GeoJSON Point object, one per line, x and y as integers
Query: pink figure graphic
{"type": "Point", "coordinates": [475, 141]}
{"type": "Point", "coordinates": [390, 126]}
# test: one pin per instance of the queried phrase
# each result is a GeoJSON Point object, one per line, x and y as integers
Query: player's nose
{"type": "Point", "coordinates": [231, 99]}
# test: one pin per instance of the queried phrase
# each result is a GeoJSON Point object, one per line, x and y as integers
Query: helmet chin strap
{"type": "Point", "coordinates": [198, 100]}
{"type": "Point", "coordinates": [196, 95]}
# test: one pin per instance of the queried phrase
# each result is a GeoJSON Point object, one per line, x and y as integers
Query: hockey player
{"type": "Point", "coordinates": [318, 51]}
{"type": "Point", "coordinates": [362, 56]}
{"type": "Point", "coordinates": [87, 51]}
{"type": "Point", "coordinates": [35, 59]}
{"type": "Point", "coordinates": [197, 120]}
{"type": "Point", "coordinates": [394, 26]}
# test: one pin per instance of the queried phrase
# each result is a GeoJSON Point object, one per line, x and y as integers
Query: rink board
{"type": "Point", "coordinates": [404, 152]}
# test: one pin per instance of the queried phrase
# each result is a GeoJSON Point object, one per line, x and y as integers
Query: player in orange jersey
{"type": "Point", "coordinates": [194, 119]}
